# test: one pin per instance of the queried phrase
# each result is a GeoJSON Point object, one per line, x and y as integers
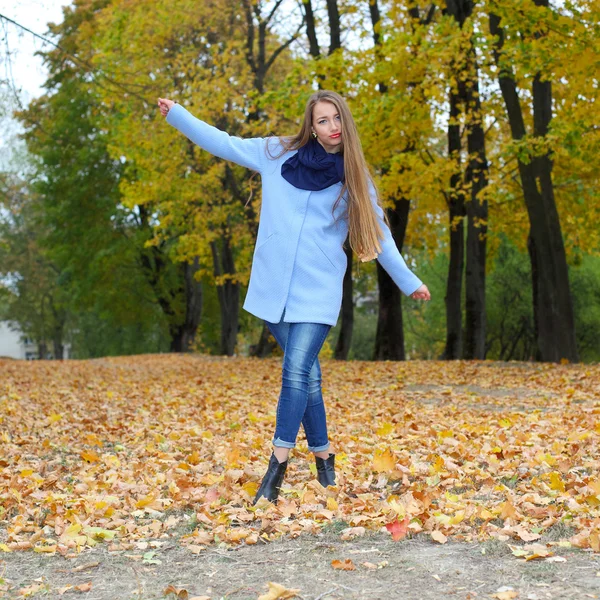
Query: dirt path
{"type": "Point", "coordinates": [411, 569]}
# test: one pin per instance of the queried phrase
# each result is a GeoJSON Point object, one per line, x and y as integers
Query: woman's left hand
{"type": "Point", "coordinates": [421, 293]}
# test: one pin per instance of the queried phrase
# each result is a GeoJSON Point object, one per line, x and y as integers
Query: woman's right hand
{"type": "Point", "coordinates": [165, 106]}
{"type": "Point", "coordinates": [421, 294]}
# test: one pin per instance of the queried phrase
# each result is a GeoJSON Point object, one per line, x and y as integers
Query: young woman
{"type": "Point", "coordinates": [316, 190]}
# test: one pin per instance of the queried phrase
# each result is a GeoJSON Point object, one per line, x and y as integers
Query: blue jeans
{"type": "Point", "coordinates": [301, 399]}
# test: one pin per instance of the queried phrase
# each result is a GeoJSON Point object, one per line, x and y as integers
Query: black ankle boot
{"type": "Point", "coordinates": [271, 483]}
{"type": "Point", "coordinates": [326, 470]}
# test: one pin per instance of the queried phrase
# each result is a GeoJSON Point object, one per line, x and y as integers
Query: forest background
{"type": "Point", "coordinates": [480, 122]}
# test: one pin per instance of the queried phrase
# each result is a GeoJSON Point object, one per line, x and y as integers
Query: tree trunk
{"type": "Point", "coordinates": [467, 96]}
{"type": "Point", "coordinates": [553, 307]}
{"type": "Point", "coordinates": [389, 338]}
{"type": "Point", "coordinates": [59, 318]}
{"type": "Point", "coordinates": [228, 294]}
{"type": "Point", "coordinates": [342, 347]}
{"type": "Point", "coordinates": [311, 30]}
{"type": "Point", "coordinates": [477, 215]}
{"type": "Point", "coordinates": [193, 305]}
{"type": "Point", "coordinates": [335, 34]}
{"type": "Point", "coordinates": [265, 346]}
{"type": "Point", "coordinates": [58, 349]}
{"type": "Point", "coordinates": [456, 207]}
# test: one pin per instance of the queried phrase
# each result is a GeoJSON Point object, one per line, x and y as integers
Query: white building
{"type": "Point", "coordinates": [13, 344]}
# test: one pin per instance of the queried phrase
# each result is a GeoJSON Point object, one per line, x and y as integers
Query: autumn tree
{"type": "Point", "coordinates": [533, 25]}
{"type": "Point", "coordinates": [88, 232]}
{"type": "Point", "coordinates": [34, 298]}
{"type": "Point", "coordinates": [217, 59]}
{"type": "Point", "coordinates": [466, 193]}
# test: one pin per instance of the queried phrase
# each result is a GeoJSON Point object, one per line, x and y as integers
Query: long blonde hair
{"type": "Point", "coordinates": [364, 229]}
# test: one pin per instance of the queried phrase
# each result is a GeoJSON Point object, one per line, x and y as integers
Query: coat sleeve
{"type": "Point", "coordinates": [391, 259]}
{"type": "Point", "coordinates": [248, 152]}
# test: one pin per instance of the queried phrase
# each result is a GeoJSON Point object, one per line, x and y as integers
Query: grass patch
{"type": "Point", "coordinates": [336, 526]}
{"type": "Point", "coordinates": [494, 547]}
{"type": "Point", "coordinates": [559, 531]}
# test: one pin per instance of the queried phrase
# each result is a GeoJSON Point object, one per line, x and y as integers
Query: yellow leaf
{"type": "Point", "coordinates": [72, 530]}
{"type": "Point", "coordinates": [484, 513]}
{"type": "Point", "coordinates": [556, 482]}
{"type": "Point", "coordinates": [439, 464]}
{"type": "Point", "coordinates": [45, 549]}
{"type": "Point", "coordinates": [385, 429]}
{"type": "Point", "coordinates": [458, 517]}
{"type": "Point", "coordinates": [90, 456]}
{"type": "Point", "coordinates": [332, 503]}
{"type": "Point", "coordinates": [145, 501]}
{"type": "Point", "coordinates": [508, 595]}
{"type": "Point", "coordinates": [508, 510]}
{"type": "Point", "coordinates": [251, 487]}
{"type": "Point", "coordinates": [277, 592]}
{"type": "Point", "coordinates": [384, 461]}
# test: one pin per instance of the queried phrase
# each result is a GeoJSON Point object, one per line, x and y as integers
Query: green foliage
{"type": "Point", "coordinates": [425, 322]}
{"type": "Point", "coordinates": [509, 314]}
{"type": "Point", "coordinates": [585, 289]}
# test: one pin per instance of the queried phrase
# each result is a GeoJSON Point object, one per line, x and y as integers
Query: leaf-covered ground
{"type": "Point", "coordinates": [137, 452]}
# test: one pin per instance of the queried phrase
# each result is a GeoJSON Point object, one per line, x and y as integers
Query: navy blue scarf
{"type": "Point", "coordinates": [313, 168]}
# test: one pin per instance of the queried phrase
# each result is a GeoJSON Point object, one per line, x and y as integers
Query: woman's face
{"type": "Point", "coordinates": [327, 124]}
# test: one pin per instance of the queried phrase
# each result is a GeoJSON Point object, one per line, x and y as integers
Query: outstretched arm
{"type": "Point", "coordinates": [391, 260]}
{"type": "Point", "coordinates": [249, 152]}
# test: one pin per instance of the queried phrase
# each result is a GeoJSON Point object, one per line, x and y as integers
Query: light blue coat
{"type": "Point", "coordinates": [299, 262]}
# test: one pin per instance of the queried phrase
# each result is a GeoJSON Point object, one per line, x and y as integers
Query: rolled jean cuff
{"type": "Point", "coordinates": [279, 443]}
{"type": "Point", "coordinates": [319, 448]}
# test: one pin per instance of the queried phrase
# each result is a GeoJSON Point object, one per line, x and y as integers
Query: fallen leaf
{"type": "Point", "coordinates": [352, 532]}
{"type": "Point", "coordinates": [277, 591]}
{"type": "Point", "coordinates": [398, 529]}
{"type": "Point", "coordinates": [30, 590]}
{"type": "Point", "coordinates": [85, 567]}
{"type": "Point", "coordinates": [64, 589]}
{"type": "Point", "coordinates": [347, 565]}
{"type": "Point", "coordinates": [384, 461]}
{"type": "Point", "coordinates": [439, 537]}
{"type": "Point", "coordinates": [179, 593]}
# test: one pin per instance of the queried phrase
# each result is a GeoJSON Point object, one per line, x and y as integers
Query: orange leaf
{"type": "Point", "coordinates": [398, 529]}
{"type": "Point", "coordinates": [90, 456]}
{"type": "Point", "coordinates": [180, 593]}
{"type": "Point", "coordinates": [347, 565]}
